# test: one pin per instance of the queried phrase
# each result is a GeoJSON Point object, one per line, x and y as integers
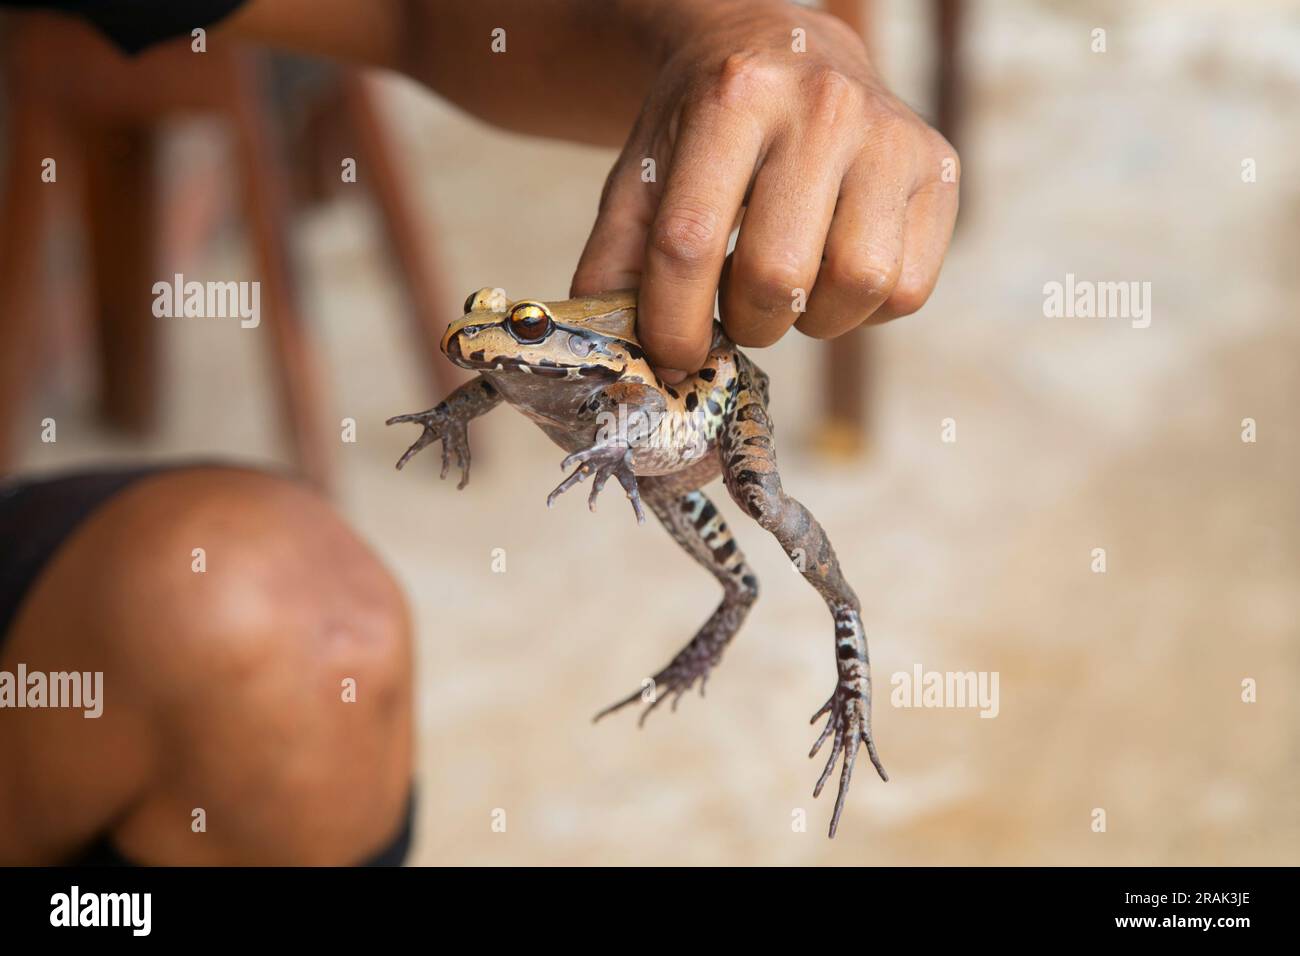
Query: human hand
{"type": "Point", "coordinates": [848, 197]}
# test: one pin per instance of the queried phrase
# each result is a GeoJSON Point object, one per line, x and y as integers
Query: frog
{"type": "Point", "coordinates": [576, 368]}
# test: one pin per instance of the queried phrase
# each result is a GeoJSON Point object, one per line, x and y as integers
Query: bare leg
{"type": "Point", "coordinates": [695, 524]}
{"type": "Point", "coordinates": [749, 469]}
{"type": "Point", "coordinates": [222, 691]}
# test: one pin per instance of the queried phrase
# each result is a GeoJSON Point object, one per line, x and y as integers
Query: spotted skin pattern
{"type": "Point", "coordinates": [576, 369]}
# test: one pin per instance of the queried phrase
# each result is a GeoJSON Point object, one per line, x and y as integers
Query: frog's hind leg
{"type": "Point", "coordinates": [750, 473]}
{"type": "Point", "coordinates": [695, 524]}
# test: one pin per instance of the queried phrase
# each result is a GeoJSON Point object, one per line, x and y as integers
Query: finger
{"type": "Point", "coordinates": [931, 213]}
{"type": "Point", "coordinates": [774, 266]}
{"type": "Point", "coordinates": [712, 166]}
{"type": "Point", "coordinates": [864, 254]}
{"type": "Point", "coordinates": [614, 255]}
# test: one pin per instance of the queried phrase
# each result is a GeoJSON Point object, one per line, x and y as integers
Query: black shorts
{"type": "Point", "coordinates": [37, 515]}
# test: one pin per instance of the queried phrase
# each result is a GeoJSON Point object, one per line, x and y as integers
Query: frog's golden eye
{"type": "Point", "coordinates": [529, 322]}
{"type": "Point", "coordinates": [469, 302]}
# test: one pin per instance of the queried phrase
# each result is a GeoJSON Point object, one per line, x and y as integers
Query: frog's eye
{"type": "Point", "coordinates": [469, 302]}
{"type": "Point", "coordinates": [529, 322]}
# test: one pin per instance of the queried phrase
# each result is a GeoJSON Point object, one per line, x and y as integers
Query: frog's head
{"type": "Point", "coordinates": [589, 341]}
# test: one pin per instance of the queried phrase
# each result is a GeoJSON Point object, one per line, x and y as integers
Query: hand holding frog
{"type": "Point", "coordinates": [848, 197]}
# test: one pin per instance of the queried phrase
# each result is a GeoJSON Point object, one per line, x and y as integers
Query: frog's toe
{"type": "Point", "coordinates": [693, 664]}
{"type": "Point", "coordinates": [427, 437]}
{"type": "Point", "coordinates": [579, 475]}
{"type": "Point", "coordinates": [602, 461]}
{"type": "Point", "coordinates": [408, 417]}
{"type": "Point", "coordinates": [628, 481]}
{"type": "Point", "coordinates": [626, 478]}
{"type": "Point", "coordinates": [456, 444]}
{"type": "Point", "coordinates": [849, 726]}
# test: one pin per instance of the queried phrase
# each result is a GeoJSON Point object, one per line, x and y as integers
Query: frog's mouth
{"type": "Point", "coordinates": [546, 368]}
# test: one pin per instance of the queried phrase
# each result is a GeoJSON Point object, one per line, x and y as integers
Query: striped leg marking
{"type": "Point", "coordinates": [750, 472]}
{"type": "Point", "coordinates": [695, 524]}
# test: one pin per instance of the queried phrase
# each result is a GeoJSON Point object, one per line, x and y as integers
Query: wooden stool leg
{"type": "Point", "coordinates": [948, 113]}
{"type": "Point", "coordinates": [410, 240]}
{"type": "Point", "coordinates": [121, 201]}
{"type": "Point", "coordinates": [845, 425]}
{"type": "Point", "coordinates": [265, 191]}
{"type": "Point", "coordinates": [23, 206]}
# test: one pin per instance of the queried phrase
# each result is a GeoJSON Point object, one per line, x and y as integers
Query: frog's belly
{"type": "Point", "coordinates": [688, 475]}
{"type": "Point", "coordinates": [657, 460]}
{"type": "Point", "coordinates": [698, 456]}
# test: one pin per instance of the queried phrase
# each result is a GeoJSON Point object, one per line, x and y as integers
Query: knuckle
{"type": "Point", "coordinates": [956, 164]}
{"type": "Point", "coordinates": [687, 232]}
{"type": "Point", "coordinates": [908, 297]}
{"type": "Point", "coordinates": [771, 287]}
{"type": "Point", "coordinates": [742, 76]}
{"type": "Point", "coordinates": [947, 156]}
{"type": "Point", "coordinates": [890, 129]}
{"type": "Point", "coordinates": [832, 95]}
{"type": "Point", "coordinates": [865, 278]}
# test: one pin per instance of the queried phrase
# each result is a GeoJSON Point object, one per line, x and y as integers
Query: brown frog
{"type": "Point", "coordinates": [575, 368]}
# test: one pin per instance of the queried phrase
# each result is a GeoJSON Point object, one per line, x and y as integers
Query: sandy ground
{"type": "Point", "coordinates": [1119, 691]}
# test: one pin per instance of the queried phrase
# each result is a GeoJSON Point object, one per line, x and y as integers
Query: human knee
{"type": "Point", "coordinates": [278, 655]}
{"type": "Point", "coordinates": [235, 571]}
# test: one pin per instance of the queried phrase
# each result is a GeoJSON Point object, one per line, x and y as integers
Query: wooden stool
{"type": "Point", "coordinates": [72, 97]}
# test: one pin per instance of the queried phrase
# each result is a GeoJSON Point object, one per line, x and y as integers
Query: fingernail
{"type": "Point", "coordinates": [671, 375]}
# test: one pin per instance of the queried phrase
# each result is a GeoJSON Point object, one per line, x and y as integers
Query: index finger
{"type": "Point", "coordinates": [712, 165]}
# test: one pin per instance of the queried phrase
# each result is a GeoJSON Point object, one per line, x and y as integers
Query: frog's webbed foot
{"type": "Point", "coordinates": [604, 461]}
{"type": "Point", "coordinates": [439, 425]}
{"type": "Point", "coordinates": [692, 663]}
{"type": "Point", "coordinates": [448, 422]}
{"type": "Point", "coordinates": [849, 724]}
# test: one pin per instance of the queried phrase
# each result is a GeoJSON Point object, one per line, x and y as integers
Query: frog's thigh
{"type": "Point", "coordinates": [695, 523]}
{"type": "Point", "coordinates": [750, 473]}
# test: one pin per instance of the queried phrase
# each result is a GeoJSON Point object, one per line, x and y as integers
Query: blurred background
{"type": "Point", "coordinates": [1119, 690]}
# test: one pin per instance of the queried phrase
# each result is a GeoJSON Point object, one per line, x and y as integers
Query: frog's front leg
{"type": "Point", "coordinates": [624, 414]}
{"type": "Point", "coordinates": [750, 473]}
{"type": "Point", "coordinates": [448, 421]}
